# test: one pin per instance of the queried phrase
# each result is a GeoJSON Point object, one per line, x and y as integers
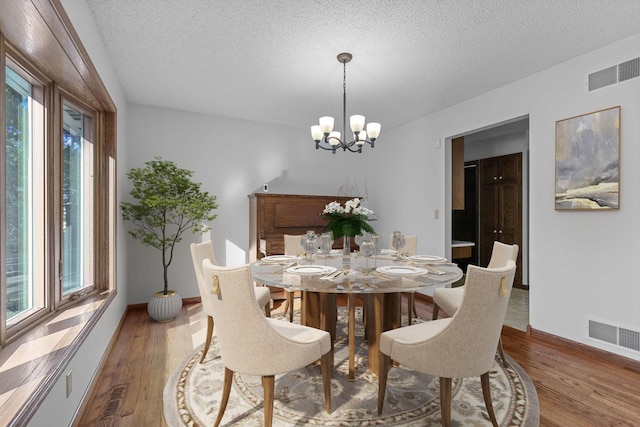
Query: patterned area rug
{"type": "Point", "coordinates": [192, 394]}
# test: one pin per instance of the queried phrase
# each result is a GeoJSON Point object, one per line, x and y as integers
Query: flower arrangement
{"type": "Point", "coordinates": [348, 220]}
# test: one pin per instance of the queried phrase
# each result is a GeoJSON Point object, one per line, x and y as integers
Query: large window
{"type": "Point", "coordinates": [58, 199]}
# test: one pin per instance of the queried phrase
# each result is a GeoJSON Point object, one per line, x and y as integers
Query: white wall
{"type": "Point", "coordinates": [232, 159]}
{"type": "Point", "coordinates": [581, 263]}
{"type": "Point", "coordinates": [85, 362]}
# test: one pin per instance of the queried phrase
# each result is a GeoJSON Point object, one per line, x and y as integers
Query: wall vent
{"type": "Point", "coordinates": [615, 74]}
{"type": "Point", "coordinates": [613, 334]}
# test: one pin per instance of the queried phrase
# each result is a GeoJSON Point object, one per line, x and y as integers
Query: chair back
{"type": "Point", "coordinates": [247, 341]}
{"type": "Point", "coordinates": [410, 245]}
{"type": "Point", "coordinates": [200, 252]}
{"type": "Point", "coordinates": [477, 324]}
{"type": "Point", "coordinates": [293, 245]}
{"type": "Point", "coordinates": [501, 253]}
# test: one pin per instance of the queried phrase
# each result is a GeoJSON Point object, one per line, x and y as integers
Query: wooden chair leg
{"type": "Point", "coordinates": [290, 297]}
{"type": "Point", "coordinates": [411, 307]}
{"type": "Point", "coordinates": [445, 401]}
{"type": "Point", "coordinates": [268, 385]}
{"type": "Point", "coordinates": [226, 390]}
{"type": "Point", "coordinates": [486, 393]}
{"type": "Point", "coordinates": [325, 367]}
{"type": "Point", "coordinates": [267, 309]}
{"type": "Point", "coordinates": [351, 335]}
{"type": "Point", "coordinates": [207, 341]}
{"type": "Point", "coordinates": [385, 362]}
{"type": "Point", "coordinates": [501, 353]}
{"type": "Point", "coordinates": [436, 309]}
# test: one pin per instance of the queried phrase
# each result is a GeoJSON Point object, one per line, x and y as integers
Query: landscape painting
{"type": "Point", "coordinates": [588, 161]}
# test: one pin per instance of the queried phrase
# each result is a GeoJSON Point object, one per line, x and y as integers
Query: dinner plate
{"type": "Point", "coordinates": [280, 258]}
{"type": "Point", "coordinates": [309, 270]}
{"type": "Point", "coordinates": [427, 258]}
{"type": "Point", "coordinates": [387, 251]}
{"type": "Point", "coordinates": [401, 270]}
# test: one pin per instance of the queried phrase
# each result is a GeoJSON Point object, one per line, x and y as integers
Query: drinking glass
{"type": "Point", "coordinates": [398, 242]}
{"type": "Point", "coordinates": [377, 247]}
{"type": "Point", "coordinates": [366, 250]}
{"type": "Point", "coordinates": [310, 244]}
{"type": "Point", "coordinates": [326, 243]}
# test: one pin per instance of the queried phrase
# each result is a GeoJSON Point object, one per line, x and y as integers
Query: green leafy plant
{"type": "Point", "coordinates": [349, 220]}
{"type": "Point", "coordinates": [168, 204]}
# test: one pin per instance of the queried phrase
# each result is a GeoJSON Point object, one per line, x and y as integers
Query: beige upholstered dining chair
{"type": "Point", "coordinates": [449, 299]}
{"type": "Point", "coordinates": [456, 347]}
{"type": "Point", "coordinates": [200, 252]}
{"type": "Point", "coordinates": [252, 344]}
{"type": "Point", "coordinates": [292, 246]}
{"type": "Point", "coordinates": [410, 248]}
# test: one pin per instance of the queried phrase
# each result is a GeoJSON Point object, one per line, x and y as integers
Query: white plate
{"type": "Point", "coordinates": [311, 269]}
{"type": "Point", "coordinates": [401, 270]}
{"type": "Point", "coordinates": [280, 258]}
{"type": "Point", "coordinates": [387, 251]}
{"type": "Point", "coordinates": [427, 258]}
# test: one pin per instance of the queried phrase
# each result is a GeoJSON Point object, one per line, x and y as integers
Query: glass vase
{"type": "Point", "coordinates": [346, 246]}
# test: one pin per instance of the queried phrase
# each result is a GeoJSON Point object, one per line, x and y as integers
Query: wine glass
{"type": "Point", "coordinates": [310, 244]}
{"type": "Point", "coordinates": [398, 242]}
{"type": "Point", "coordinates": [377, 247]}
{"type": "Point", "coordinates": [366, 250]}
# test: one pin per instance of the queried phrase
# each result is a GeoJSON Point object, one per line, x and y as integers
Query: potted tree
{"type": "Point", "coordinates": [168, 203]}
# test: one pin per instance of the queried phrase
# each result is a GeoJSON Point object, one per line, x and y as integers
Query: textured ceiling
{"type": "Point", "coordinates": [274, 61]}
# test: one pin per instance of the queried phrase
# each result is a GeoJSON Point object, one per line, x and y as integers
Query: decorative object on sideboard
{"type": "Point", "coordinates": [168, 204]}
{"type": "Point", "coordinates": [328, 139]}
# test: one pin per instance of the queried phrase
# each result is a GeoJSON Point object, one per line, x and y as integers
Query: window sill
{"type": "Point", "coordinates": [30, 365]}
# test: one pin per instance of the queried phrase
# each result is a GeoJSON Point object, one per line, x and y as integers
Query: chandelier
{"type": "Point", "coordinates": [328, 139]}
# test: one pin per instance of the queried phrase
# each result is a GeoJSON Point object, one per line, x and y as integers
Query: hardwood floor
{"type": "Point", "coordinates": [575, 388]}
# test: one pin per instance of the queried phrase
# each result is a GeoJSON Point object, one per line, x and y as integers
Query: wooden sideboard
{"type": "Point", "coordinates": [271, 216]}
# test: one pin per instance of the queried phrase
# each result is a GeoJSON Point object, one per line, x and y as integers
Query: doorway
{"type": "Point", "coordinates": [482, 148]}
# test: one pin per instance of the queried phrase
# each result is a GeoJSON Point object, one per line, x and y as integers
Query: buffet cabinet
{"type": "Point", "coordinates": [271, 216]}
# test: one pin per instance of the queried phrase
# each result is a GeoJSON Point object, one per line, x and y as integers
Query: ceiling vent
{"type": "Point", "coordinates": [616, 335]}
{"type": "Point", "coordinates": [615, 74]}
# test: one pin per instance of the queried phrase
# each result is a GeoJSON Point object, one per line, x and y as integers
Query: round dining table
{"type": "Point", "coordinates": [379, 280]}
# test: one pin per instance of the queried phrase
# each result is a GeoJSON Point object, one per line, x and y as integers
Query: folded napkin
{"type": "Point", "coordinates": [433, 270]}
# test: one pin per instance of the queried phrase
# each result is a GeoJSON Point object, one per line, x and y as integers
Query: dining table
{"type": "Point", "coordinates": [379, 280]}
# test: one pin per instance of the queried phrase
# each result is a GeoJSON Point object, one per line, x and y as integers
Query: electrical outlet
{"type": "Point", "coordinates": [69, 383]}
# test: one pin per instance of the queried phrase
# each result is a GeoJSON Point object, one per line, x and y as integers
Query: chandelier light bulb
{"type": "Point", "coordinates": [316, 133]}
{"type": "Point", "coordinates": [326, 124]}
{"type": "Point", "coordinates": [373, 130]}
{"type": "Point", "coordinates": [357, 123]}
{"type": "Point", "coordinates": [334, 138]}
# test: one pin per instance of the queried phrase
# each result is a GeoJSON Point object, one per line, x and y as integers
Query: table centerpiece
{"type": "Point", "coordinates": [347, 221]}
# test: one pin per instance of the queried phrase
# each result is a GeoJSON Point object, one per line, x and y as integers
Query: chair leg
{"type": "Point", "coordinates": [226, 390]}
{"type": "Point", "coordinates": [486, 392]}
{"type": "Point", "coordinates": [501, 353]}
{"type": "Point", "coordinates": [385, 362]}
{"type": "Point", "coordinates": [445, 401]}
{"type": "Point", "coordinates": [325, 368]}
{"type": "Point", "coordinates": [207, 341]}
{"type": "Point", "coordinates": [268, 385]}
{"type": "Point", "coordinates": [289, 305]}
{"type": "Point", "coordinates": [267, 309]}
{"type": "Point", "coordinates": [436, 309]}
{"type": "Point", "coordinates": [409, 308]}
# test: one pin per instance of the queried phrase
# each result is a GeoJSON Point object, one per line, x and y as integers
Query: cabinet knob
{"type": "Point", "coordinates": [500, 177]}
{"type": "Point", "coordinates": [495, 231]}
{"type": "Point", "coordinates": [495, 178]}
{"type": "Point", "coordinates": [500, 231]}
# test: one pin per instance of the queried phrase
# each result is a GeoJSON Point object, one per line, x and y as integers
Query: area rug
{"type": "Point", "coordinates": [192, 394]}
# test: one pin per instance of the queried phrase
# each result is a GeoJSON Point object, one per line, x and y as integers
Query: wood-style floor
{"type": "Point", "coordinates": [575, 388]}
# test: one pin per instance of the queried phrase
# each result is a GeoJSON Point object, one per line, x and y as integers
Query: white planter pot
{"type": "Point", "coordinates": [164, 308]}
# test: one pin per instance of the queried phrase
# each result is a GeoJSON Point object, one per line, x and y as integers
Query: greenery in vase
{"type": "Point", "coordinates": [168, 204]}
{"type": "Point", "coordinates": [348, 220]}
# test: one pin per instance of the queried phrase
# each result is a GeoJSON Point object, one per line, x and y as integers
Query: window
{"type": "Point", "coordinates": [24, 196]}
{"type": "Point", "coordinates": [58, 193]}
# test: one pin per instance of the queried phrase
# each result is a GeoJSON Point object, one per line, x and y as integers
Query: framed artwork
{"type": "Point", "coordinates": [588, 161]}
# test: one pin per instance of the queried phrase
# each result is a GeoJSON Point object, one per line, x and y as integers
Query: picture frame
{"type": "Point", "coordinates": [587, 156]}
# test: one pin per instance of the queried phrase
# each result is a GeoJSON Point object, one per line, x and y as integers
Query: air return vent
{"type": "Point", "coordinates": [616, 335]}
{"type": "Point", "coordinates": [614, 74]}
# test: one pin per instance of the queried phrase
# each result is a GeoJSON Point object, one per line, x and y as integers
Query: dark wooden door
{"type": "Point", "coordinates": [500, 206]}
